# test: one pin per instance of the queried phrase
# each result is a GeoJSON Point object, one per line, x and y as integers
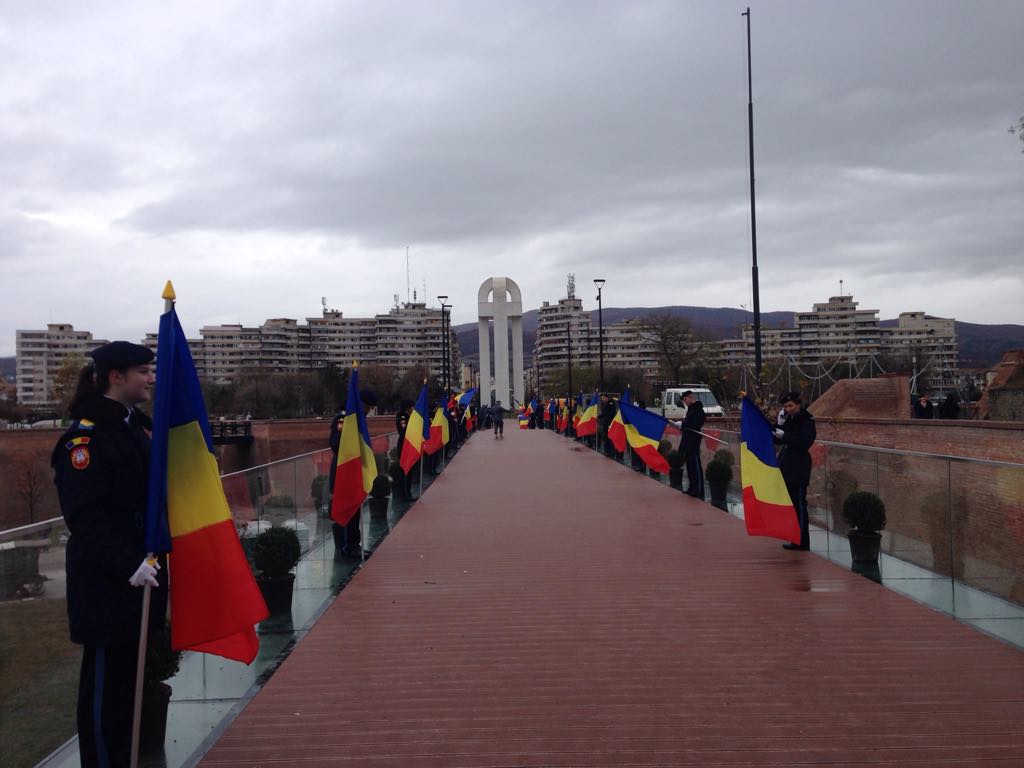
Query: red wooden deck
{"type": "Point", "coordinates": [542, 606]}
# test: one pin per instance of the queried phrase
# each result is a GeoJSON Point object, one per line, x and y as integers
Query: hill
{"type": "Point", "coordinates": [981, 345]}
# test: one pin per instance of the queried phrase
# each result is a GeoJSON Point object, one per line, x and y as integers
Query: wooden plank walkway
{"type": "Point", "coordinates": [542, 606]}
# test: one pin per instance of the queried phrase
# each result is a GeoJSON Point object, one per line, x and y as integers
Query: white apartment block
{"type": "Point", "coordinates": [566, 324]}
{"type": "Point", "coordinates": [838, 330]}
{"type": "Point", "coordinates": [40, 355]}
{"type": "Point", "coordinates": [407, 336]}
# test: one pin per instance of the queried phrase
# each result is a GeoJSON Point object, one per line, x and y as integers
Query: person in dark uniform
{"type": "Point", "coordinates": [401, 422]}
{"type": "Point", "coordinates": [498, 420]}
{"type": "Point", "coordinates": [335, 442]}
{"type": "Point", "coordinates": [605, 417]}
{"type": "Point", "coordinates": [923, 408]}
{"type": "Point", "coordinates": [101, 470]}
{"type": "Point", "coordinates": [796, 433]}
{"type": "Point", "coordinates": [691, 426]}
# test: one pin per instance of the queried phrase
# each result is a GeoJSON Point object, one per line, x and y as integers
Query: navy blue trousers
{"type": "Point", "coordinates": [798, 495]}
{"type": "Point", "coordinates": [695, 474]}
{"type": "Point", "coordinates": [106, 693]}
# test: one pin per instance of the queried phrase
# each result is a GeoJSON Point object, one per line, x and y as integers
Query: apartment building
{"type": "Point", "coordinates": [565, 323]}
{"type": "Point", "coordinates": [839, 330]}
{"type": "Point", "coordinates": [40, 355]}
{"type": "Point", "coordinates": [406, 336]}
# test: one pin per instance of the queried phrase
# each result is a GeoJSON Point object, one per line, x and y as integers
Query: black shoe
{"type": "Point", "coordinates": [798, 547]}
{"type": "Point", "coordinates": [353, 552]}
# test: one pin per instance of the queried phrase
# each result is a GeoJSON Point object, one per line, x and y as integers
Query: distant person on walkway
{"type": "Point", "coordinates": [923, 408]}
{"type": "Point", "coordinates": [691, 427]}
{"type": "Point", "coordinates": [335, 443]}
{"type": "Point", "coordinates": [401, 422]}
{"type": "Point", "coordinates": [101, 470]}
{"type": "Point", "coordinates": [605, 415]}
{"type": "Point", "coordinates": [796, 433]}
{"type": "Point", "coordinates": [498, 419]}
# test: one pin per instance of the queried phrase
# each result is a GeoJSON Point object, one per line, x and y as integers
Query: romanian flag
{"type": "Point", "coordinates": [587, 424]}
{"type": "Point", "coordinates": [357, 467]}
{"type": "Point", "coordinates": [617, 430]}
{"type": "Point", "coordinates": [214, 599]}
{"type": "Point", "coordinates": [524, 420]}
{"type": "Point", "coordinates": [438, 431]}
{"type": "Point", "coordinates": [467, 418]}
{"type": "Point", "coordinates": [417, 432]}
{"type": "Point", "coordinates": [767, 508]}
{"type": "Point", "coordinates": [644, 431]}
{"type": "Point", "coordinates": [551, 410]}
{"type": "Point", "coordinates": [465, 398]}
{"type": "Point", "coordinates": [579, 411]}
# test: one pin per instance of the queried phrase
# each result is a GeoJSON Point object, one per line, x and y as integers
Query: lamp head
{"type": "Point", "coordinates": [599, 283]}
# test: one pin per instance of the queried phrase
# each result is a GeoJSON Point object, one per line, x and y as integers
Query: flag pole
{"type": "Point", "coordinates": [140, 663]}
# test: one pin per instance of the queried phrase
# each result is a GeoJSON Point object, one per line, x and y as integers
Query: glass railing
{"type": "Point", "coordinates": [38, 688]}
{"type": "Point", "coordinates": [954, 534]}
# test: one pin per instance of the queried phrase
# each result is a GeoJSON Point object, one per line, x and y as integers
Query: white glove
{"type": "Point", "coordinates": [778, 433]}
{"type": "Point", "coordinates": [782, 417]}
{"type": "Point", "coordinates": [677, 424]}
{"type": "Point", "coordinates": [145, 574]}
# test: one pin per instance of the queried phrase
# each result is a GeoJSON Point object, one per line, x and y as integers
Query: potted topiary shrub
{"type": "Point", "coordinates": [379, 494]}
{"type": "Point", "coordinates": [161, 664]}
{"type": "Point", "coordinates": [275, 552]}
{"type": "Point", "coordinates": [725, 455]}
{"type": "Point", "coordinates": [864, 512]}
{"type": "Point", "coordinates": [718, 474]}
{"type": "Point", "coordinates": [675, 469]}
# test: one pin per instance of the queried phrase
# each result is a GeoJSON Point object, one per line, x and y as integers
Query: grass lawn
{"type": "Point", "coordinates": [38, 680]}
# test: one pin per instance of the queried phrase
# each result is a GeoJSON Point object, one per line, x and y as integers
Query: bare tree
{"type": "Point", "coordinates": [673, 336]}
{"type": "Point", "coordinates": [29, 479]}
{"type": "Point", "coordinates": [1017, 127]}
{"type": "Point", "coordinates": [65, 380]}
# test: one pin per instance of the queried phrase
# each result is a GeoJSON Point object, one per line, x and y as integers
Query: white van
{"type": "Point", "coordinates": [671, 405]}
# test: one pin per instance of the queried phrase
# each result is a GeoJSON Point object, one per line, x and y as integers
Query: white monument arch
{"type": "Point", "coordinates": [500, 300]}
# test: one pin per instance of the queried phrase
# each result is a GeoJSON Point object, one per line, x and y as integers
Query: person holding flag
{"type": "Point", "coordinates": [101, 470]}
{"type": "Point", "coordinates": [357, 467]}
{"type": "Point", "coordinates": [617, 429]}
{"type": "Point", "coordinates": [796, 432]}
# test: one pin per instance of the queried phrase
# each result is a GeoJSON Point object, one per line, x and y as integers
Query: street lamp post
{"type": "Point", "coordinates": [568, 347]}
{"type": "Point", "coordinates": [600, 331]}
{"type": "Point", "coordinates": [444, 345]}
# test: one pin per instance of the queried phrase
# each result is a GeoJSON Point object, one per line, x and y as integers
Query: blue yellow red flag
{"type": "Point", "coordinates": [465, 398]}
{"type": "Point", "coordinates": [417, 432]}
{"type": "Point", "coordinates": [644, 431]}
{"type": "Point", "coordinates": [215, 602]}
{"type": "Point", "coordinates": [357, 467]}
{"type": "Point", "coordinates": [767, 507]}
{"type": "Point", "coordinates": [617, 429]}
{"type": "Point", "coordinates": [587, 424]}
{"type": "Point", "coordinates": [438, 430]}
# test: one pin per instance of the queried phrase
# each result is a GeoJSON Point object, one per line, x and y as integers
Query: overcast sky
{"type": "Point", "coordinates": [263, 155]}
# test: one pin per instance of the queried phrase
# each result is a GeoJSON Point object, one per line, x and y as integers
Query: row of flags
{"type": "Point", "coordinates": [215, 601]}
{"type": "Point", "coordinates": [767, 507]}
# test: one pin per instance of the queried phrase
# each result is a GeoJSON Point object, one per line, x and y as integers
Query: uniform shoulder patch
{"type": "Point", "coordinates": [79, 456]}
{"type": "Point", "coordinates": [85, 424]}
{"type": "Point", "coordinates": [82, 440]}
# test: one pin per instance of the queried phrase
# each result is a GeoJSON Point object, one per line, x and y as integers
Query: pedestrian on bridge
{"type": "Point", "coordinates": [101, 470]}
{"type": "Point", "coordinates": [691, 426]}
{"type": "Point", "coordinates": [796, 433]}
{"type": "Point", "coordinates": [498, 419]}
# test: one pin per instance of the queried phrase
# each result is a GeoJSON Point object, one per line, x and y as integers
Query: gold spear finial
{"type": "Point", "coordinates": [168, 294]}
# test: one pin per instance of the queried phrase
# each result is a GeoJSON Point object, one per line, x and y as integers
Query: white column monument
{"type": "Point", "coordinates": [500, 300]}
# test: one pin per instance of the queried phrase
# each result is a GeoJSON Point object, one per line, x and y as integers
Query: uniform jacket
{"type": "Point", "coordinates": [101, 470]}
{"type": "Point", "coordinates": [799, 434]}
{"type": "Point", "coordinates": [693, 423]}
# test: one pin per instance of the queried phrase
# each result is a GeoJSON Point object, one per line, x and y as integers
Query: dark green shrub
{"type": "Point", "coordinates": [276, 551]}
{"type": "Point", "coordinates": [718, 472]}
{"type": "Point", "coordinates": [864, 511]}
{"type": "Point", "coordinates": [664, 447]}
{"type": "Point", "coordinates": [675, 459]}
{"type": "Point", "coordinates": [318, 489]}
{"type": "Point", "coordinates": [725, 456]}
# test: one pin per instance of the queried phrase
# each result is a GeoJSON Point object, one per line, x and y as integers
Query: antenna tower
{"type": "Point", "coordinates": [407, 280]}
{"type": "Point", "coordinates": [570, 288]}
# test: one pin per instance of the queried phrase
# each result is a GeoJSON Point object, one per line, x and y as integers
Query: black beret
{"type": "Point", "coordinates": [122, 354]}
{"type": "Point", "coordinates": [789, 397]}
